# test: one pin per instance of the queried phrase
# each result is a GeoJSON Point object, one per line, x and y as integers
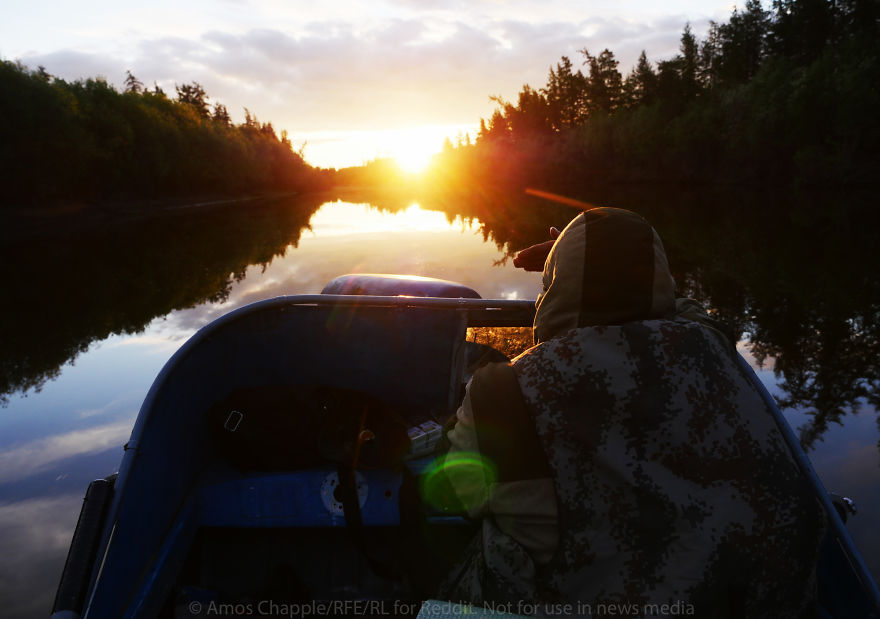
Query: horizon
{"type": "Point", "coordinates": [348, 85]}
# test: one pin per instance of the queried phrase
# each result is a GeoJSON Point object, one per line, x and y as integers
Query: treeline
{"type": "Point", "coordinates": [85, 140]}
{"type": "Point", "coordinates": [770, 96]}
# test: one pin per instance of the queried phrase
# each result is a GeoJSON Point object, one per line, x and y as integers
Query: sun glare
{"type": "Point", "coordinates": [413, 157]}
{"type": "Point", "coordinates": [410, 147]}
{"type": "Point", "coordinates": [412, 151]}
{"type": "Point", "coordinates": [414, 147]}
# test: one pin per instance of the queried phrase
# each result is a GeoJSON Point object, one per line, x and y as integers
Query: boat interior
{"type": "Point", "coordinates": [279, 456]}
{"type": "Point", "coordinates": [283, 456]}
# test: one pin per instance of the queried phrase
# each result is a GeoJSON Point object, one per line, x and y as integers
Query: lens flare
{"type": "Point", "coordinates": [463, 468]}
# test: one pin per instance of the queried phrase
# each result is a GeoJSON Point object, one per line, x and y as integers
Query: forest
{"type": "Point", "coordinates": [778, 97]}
{"type": "Point", "coordinates": [770, 98]}
{"type": "Point", "coordinates": [85, 140]}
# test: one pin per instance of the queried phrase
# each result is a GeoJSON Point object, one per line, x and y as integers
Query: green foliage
{"type": "Point", "coordinates": [773, 97]}
{"type": "Point", "coordinates": [564, 98]}
{"type": "Point", "coordinates": [604, 88]}
{"type": "Point", "coordinates": [86, 141]}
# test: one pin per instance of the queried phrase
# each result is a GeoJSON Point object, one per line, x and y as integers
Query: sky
{"type": "Point", "coordinates": [351, 80]}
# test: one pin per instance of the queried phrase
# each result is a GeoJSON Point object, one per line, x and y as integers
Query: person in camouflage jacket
{"type": "Point", "coordinates": [630, 466]}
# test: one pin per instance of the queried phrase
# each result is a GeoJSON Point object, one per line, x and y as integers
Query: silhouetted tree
{"type": "Point", "coordinates": [641, 84]}
{"type": "Point", "coordinates": [605, 84]}
{"type": "Point", "coordinates": [564, 97]}
{"type": "Point", "coordinates": [535, 115]}
{"type": "Point", "coordinates": [689, 64]}
{"type": "Point", "coordinates": [220, 114]}
{"type": "Point", "coordinates": [801, 29]}
{"type": "Point", "coordinates": [743, 40]}
{"type": "Point", "coordinates": [133, 84]}
{"type": "Point", "coordinates": [194, 95]}
{"type": "Point", "coordinates": [711, 51]}
{"type": "Point", "coordinates": [87, 141]}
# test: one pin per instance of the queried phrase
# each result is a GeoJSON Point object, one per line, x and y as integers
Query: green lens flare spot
{"type": "Point", "coordinates": [469, 473]}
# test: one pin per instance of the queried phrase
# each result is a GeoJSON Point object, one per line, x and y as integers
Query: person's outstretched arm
{"type": "Point", "coordinates": [533, 258]}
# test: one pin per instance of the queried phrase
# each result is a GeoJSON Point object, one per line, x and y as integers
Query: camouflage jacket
{"type": "Point", "coordinates": [673, 491]}
{"type": "Point", "coordinates": [673, 484]}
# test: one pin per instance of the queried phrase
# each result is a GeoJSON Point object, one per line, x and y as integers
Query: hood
{"type": "Point", "coordinates": [607, 267]}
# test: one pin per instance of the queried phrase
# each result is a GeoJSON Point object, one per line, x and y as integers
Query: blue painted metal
{"type": "Point", "coordinates": [407, 348]}
{"type": "Point", "coordinates": [165, 565]}
{"type": "Point", "coordinates": [297, 499]}
{"type": "Point", "coordinates": [410, 285]}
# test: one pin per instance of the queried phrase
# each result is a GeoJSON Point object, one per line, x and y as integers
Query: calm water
{"type": "Point", "coordinates": [81, 352]}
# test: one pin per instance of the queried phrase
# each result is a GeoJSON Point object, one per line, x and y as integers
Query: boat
{"type": "Point", "coordinates": [275, 465]}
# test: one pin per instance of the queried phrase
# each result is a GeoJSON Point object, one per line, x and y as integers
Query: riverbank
{"type": "Point", "coordinates": [68, 219]}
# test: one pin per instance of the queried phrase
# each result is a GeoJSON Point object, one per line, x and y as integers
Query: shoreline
{"type": "Point", "coordinates": [63, 220]}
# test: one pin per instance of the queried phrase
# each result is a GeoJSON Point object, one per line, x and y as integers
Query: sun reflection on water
{"type": "Point", "coordinates": [55, 441]}
{"type": "Point", "coordinates": [346, 218]}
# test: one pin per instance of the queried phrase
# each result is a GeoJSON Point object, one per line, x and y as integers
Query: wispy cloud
{"type": "Point", "coordinates": [351, 66]}
{"type": "Point", "coordinates": [34, 537]}
{"type": "Point", "coordinates": [26, 459]}
{"type": "Point", "coordinates": [345, 75]}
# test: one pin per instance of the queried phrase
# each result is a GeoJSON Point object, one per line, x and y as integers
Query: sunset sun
{"type": "Point", "coordinates": [412, 150]}
{"type": "Point", "coordinates": [413, 158]}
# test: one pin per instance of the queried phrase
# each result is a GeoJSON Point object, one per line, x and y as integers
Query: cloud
{"type": "Point", "coordinates": [72, 65]}
{"type": "Point", "coordinates": [312, 68]}
{"type": "Point", "coordinates": [349, 238]}
{"type": "Point", "coordinates": [34, 538]}
{"type": "Point", "coordinates": [36, 456]}
{"type": "Point", "coordinates": [337, 74]}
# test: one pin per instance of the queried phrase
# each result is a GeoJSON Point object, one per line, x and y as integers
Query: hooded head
{"type": "Point", "coordinates": [607, 267]}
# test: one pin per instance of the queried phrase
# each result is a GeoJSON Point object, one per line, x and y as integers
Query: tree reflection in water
{"type": "Point", "coordinates": [68, 288]}
{"type": "Point", "coordinates": [797, 280]}
{"type": "Point", "coordinates": [793, 276]}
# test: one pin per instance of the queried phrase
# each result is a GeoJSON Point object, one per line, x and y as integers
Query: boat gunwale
{"type": "Point", "coordinates": [481, 312]}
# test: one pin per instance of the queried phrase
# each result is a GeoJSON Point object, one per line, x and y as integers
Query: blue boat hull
{"type": "Point", "coordinates": [190, 524]}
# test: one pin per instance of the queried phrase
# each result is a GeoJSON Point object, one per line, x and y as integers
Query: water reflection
{"type": "Point", "coordinates": [800, 285]}
{"type": "Point", "coordinates": [794, 275]}
{"type": "Point", "coordinates": [117, 302]}
{"type": "Point", "coordinates": [53, 442]}
{"type": "Point", "coordinates": [115, 278]}
{"type": "Point", "coordinates": [38, 455]}
{"type": "Point", "coordinates": [796, 279]}
{"type": "Point", "coordinates": [34, 537]}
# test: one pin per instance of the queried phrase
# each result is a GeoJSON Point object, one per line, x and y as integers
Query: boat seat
{"type": "Point", "coordinates": [308, 498]}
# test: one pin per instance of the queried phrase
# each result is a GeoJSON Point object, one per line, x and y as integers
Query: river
{"type": "Point", "coordinates": [89, 321]}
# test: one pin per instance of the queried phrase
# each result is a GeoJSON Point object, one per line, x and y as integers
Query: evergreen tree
{"type": "Point", "coordinates": [221, 115]}
{"type": "Point", "coordinates": [711, 50]}
{"type": "Point", "coordinates": [532, 114]}
{"type": "Point", "coordinates": [604, 84]}
{"type": "Point", "coordinates": [564, 96]}
{"type": "Point", "coordinates": [689, 64]}
{"type": "Point", "coordinates": [743, 41]}
{"type": "Point", "coordinates": [641, 83]}
{"type": "Point", "coordinates": [133, 84]}
{"type": "Point", "coordinates": [194, 95]}
{"type": "Point", "coordinates": [802, 29]}
{"type": "Point", "coordinates": [87, 141]}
